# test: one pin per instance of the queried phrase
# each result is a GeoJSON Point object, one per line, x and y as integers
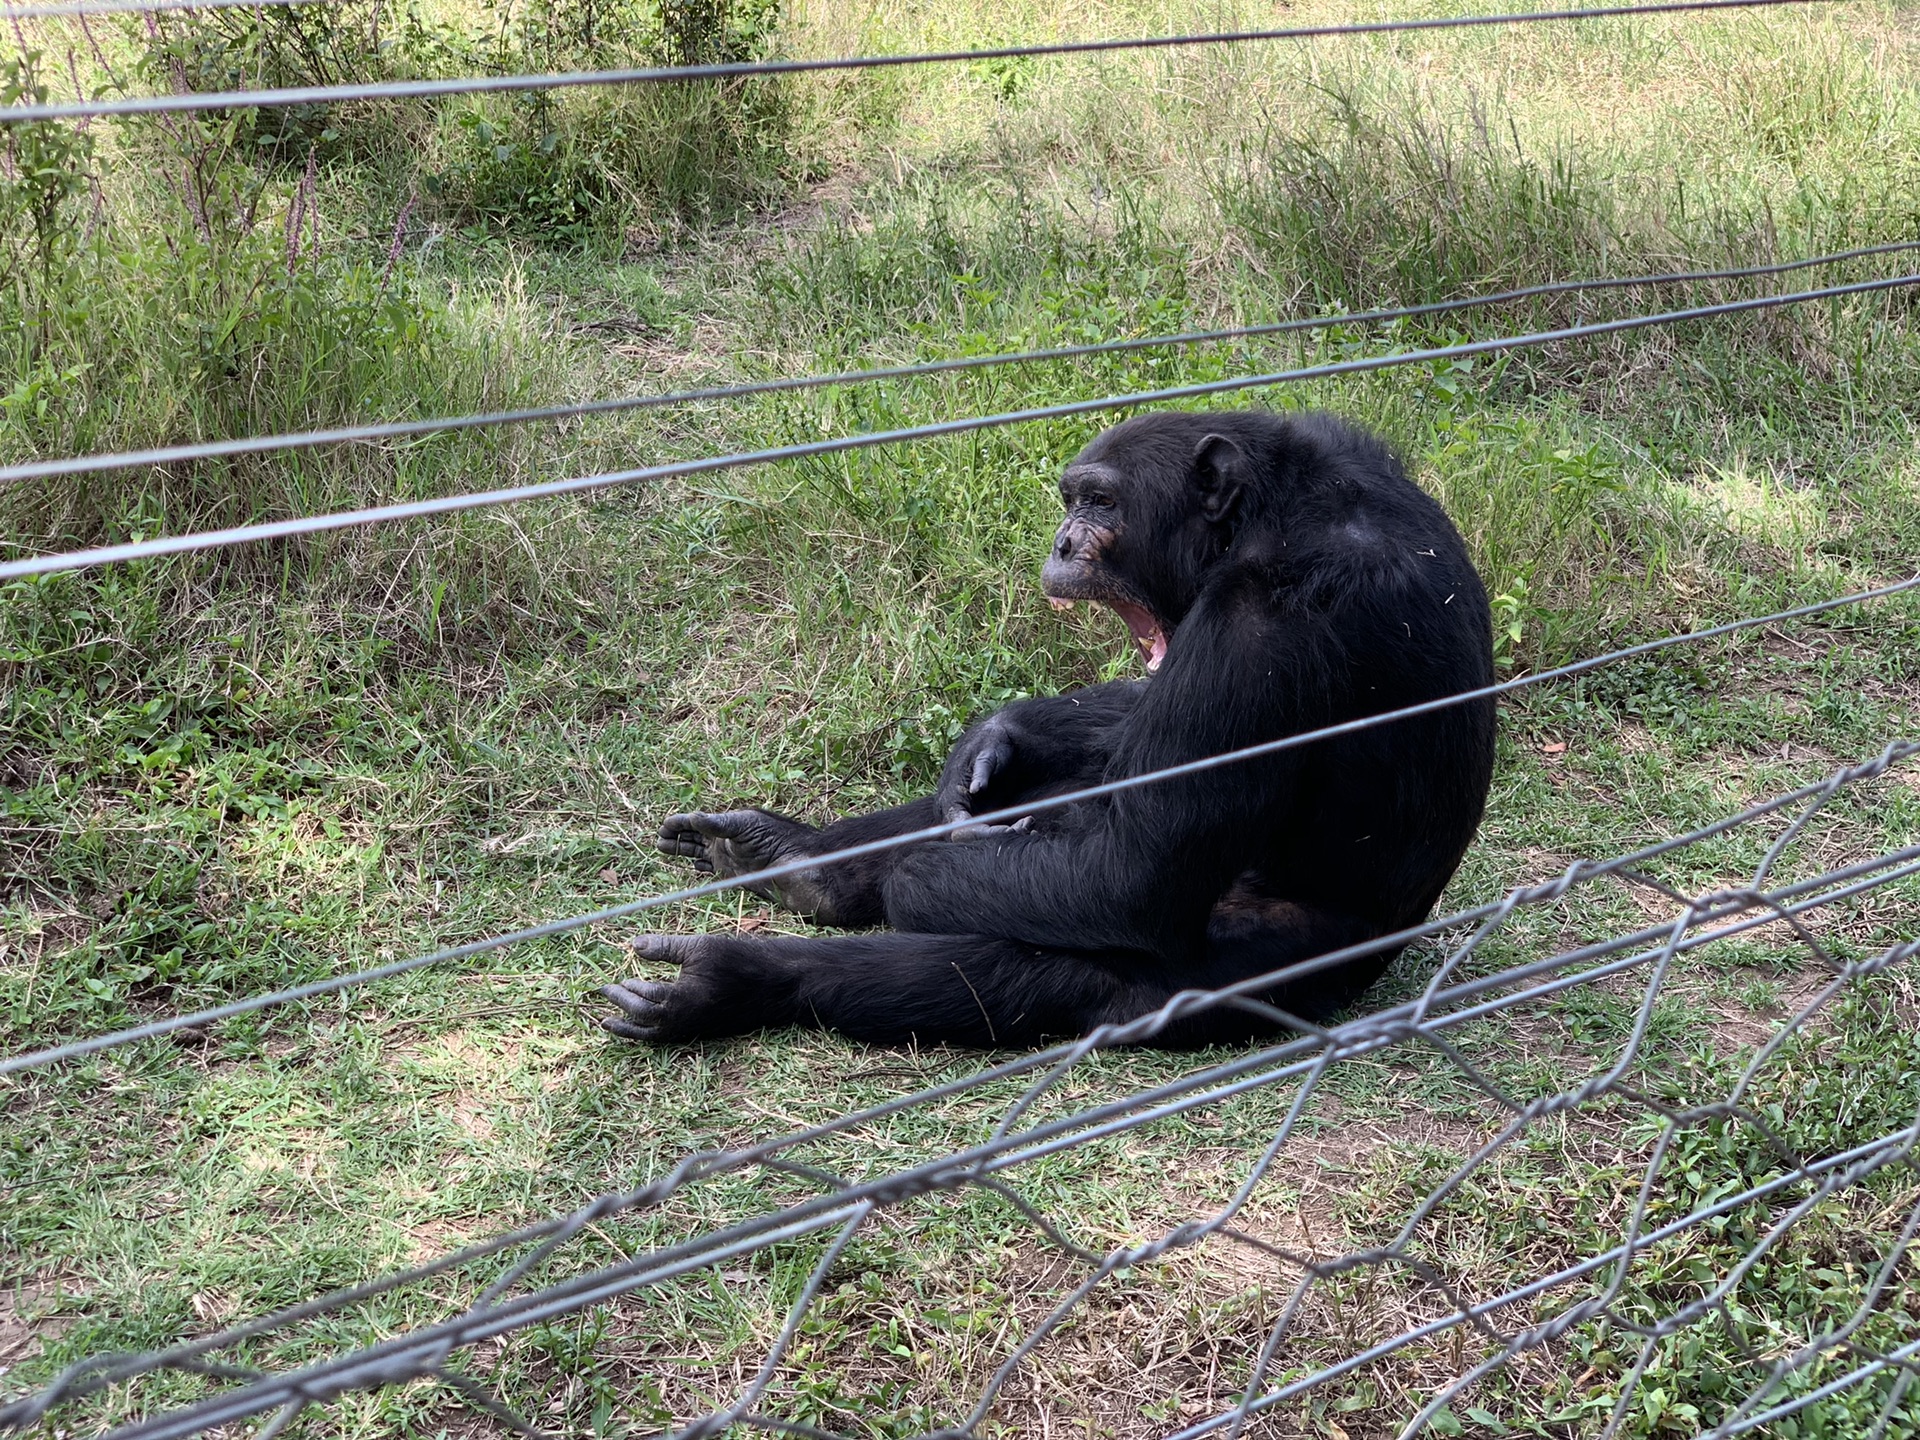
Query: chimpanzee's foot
{"type": "Point", "coordinates": [643, 1004]}
{"type": "Point", "coordinates": [739, 842]}
{"type": "Point", "coordinates": [720, 991]}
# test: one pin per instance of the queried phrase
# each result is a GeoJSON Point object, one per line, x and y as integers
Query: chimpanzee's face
{"type": "Point", "coordinates": [1150, 510]}
{"type": "Point", "coordinates": [1090, 555]}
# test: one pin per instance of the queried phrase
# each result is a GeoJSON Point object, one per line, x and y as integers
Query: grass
{"type": "Point", "coordinates": [275, 764]}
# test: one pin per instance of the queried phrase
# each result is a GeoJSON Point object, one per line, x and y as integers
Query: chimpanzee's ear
{"type": "Point", "coordinates": [1220, 471]}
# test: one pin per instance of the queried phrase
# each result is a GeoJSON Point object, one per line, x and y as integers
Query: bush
{"type": "Point", "coordinates": [45, 168]}
{"type": "Point", "coordinates": [204, 298]}
{"type": "Point", "coordinates": [570, 167]}
{"type": "Point", "coordinates": [343, 43]}
{"type": "Point", "coordinates": [583, 165]}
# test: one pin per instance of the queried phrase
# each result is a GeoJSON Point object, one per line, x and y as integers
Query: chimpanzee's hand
{"type": "Point", "coordinates": [983, 752]}
{"type": "Point", "coordinates": [733, 842]}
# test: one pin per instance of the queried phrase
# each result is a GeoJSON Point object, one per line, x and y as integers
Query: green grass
{"type": "Point", "coordinates": [275, 764]}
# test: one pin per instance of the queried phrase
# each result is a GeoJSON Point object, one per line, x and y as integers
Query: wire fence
{"type": "Point", "coordinates": [1454, 996]}
{"type": "Point", "coordinates": [156, 1029]}
{"type": "Point", "coordinates": [735, 70]}
{"type": "Point", "coordinates": [147, 549]}
{"type": "Point", "coordinates": [1767, 1185]}
{"type": "Point", "coordinates": [408, 429]}
{"type": "Point", "coordinates": [1721, 1171]}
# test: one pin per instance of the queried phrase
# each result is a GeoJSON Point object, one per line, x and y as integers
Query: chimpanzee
{"type": "Point", "coordinates": [1279, 574]}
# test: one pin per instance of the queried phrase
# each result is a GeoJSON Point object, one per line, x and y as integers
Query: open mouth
{"type": "Point", "coordinates": [1148, 633]}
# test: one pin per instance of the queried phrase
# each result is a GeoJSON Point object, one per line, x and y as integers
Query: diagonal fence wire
{"type": "Point", "coordinates": [1777, 1195]}
{"type": "Point", "coordinates": [76, 1049]}
{"type": "Point", "coordinates": [1546, 977]}
{"type": "Point", "coordinates": [1507, 1327]}
{"type": "Point", "coordinates": [449, 504]}
{"type": "Point", "coordinates": [428, 1357]}
{"type": "Point", "coordinates": [1730, 912]}
{"type": "Point", "coordinates": [735, 70]}
{"type": "Point", "coordinates": [407, 429]}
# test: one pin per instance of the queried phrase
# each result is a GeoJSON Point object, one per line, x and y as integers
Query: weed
{"type": "Point", "coordinates": [224, 774]}
{"type": "Point", "coordinates": [45, 168]}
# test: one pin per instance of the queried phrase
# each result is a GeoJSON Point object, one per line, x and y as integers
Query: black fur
{"type": "Point", "coordinates": [1301, 580]}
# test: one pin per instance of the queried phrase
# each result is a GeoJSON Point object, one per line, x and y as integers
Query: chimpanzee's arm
{"type": "Point", "coordinates": [1140, 870]}
{"type": "Point", "coordinates": [1028, 749]}
{"type": "Point", "coordinates": [846, 893]}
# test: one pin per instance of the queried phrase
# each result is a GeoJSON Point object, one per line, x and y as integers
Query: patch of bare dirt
{"type": "Point", "coordinates": [27, 1321]}
{"type": "Point", "coordinates": [1143, 1353]}
{"type": "Point", "coordinates": [56, 929]}
{"type": "Point", "coordinates": [668, 355]}
{"type": "Point", "coordinates": [1735, 1026]}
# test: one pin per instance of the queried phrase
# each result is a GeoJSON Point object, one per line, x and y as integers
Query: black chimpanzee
{"type": "Point", "coordinates": [1279, 574]}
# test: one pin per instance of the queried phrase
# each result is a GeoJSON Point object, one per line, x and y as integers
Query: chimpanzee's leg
{"type": "Point", "coordinates": [888, 987]}
{"type": "Point", "coordinates": [971, 989]}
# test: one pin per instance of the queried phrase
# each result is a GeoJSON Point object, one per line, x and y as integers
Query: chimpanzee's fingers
{"type": "Point", "coordinates": [987, 762]}
{"type": "Point", "coordinates": [982, 772]}
{"type": "Point", "coordinates": [679, 835]}
{"type": "Point", "coordinates": [988, 832]}
{"type": "Point", "coordinates": [727, 824]}
{"type": "Point", "coordinates": [702, 861]}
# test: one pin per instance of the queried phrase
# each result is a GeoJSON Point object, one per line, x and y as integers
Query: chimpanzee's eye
{"type": "Point", "coordinates": [1103, 502]}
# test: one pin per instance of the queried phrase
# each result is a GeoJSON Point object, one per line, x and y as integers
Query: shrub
{"type": "Point", "coordinates": [582, 165]}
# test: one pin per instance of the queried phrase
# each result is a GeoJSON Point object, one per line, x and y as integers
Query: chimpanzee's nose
{"type": "Point", "coordinates": [1063, 545]}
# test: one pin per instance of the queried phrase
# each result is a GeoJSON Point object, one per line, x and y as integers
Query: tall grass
{"type": "Point", "coordinates": [196, 277]}
{"type": "Point", "coordinates": [246, 273]}
{"type": "Point", "coordinates": [256, 272]}
{"type": "Point", "coordinates": [237, 271]}
{"type": "Point", "coordinates": [225, 773]}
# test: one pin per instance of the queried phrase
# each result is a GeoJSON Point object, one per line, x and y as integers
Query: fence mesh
{"type": "Point", "coordinates": [1731, 1177]}
{"type": "Point", "coordinates": [1690, 1193]}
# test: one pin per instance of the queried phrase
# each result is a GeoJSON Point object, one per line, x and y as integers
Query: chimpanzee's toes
{"type": "Point", "coordinates": [643, 1008]}
{"type": "Point", "coordinates": [626, 1030]}
{"type": "Point", "coordinates": [643, 1003]}
{"type": "Point", "coordinates": [672, 949]}
{"type": "Point", "coordinates": [641, 999]}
